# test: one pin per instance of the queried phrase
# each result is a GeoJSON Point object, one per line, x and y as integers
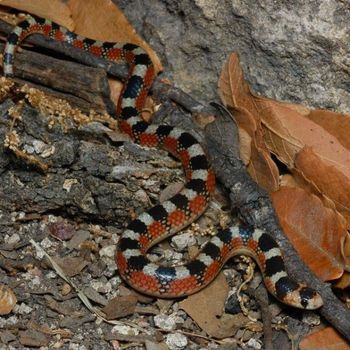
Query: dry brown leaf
{"type": "Point", "coordinates": [235, 94]}
{"type": "Point", "coordinates": [103, 20]}
{"type": "Point", "coordinates": [263, 170]}
{"type": "Point", "coordinates": [207, 311]}
{"type": "Point", "coordinates": [245, 146]}
{"type": "Point", "coordinates": [335, 123]}
{"type": "Point", "coordinates": [313, 229]}
{"type": "Point", "coordinates": [344, 281]}
{"type": "Point", "coordinates": [56, 10]}
{"type": "Point", "coordinates": [346, 251]}
{"type": "Point", "coordinates": [71, 265]}
{"type": "Point", "coordinates": [331, 177]}
{"type": "Point", "coordinates": [325, 339]}
{"type": "Point", "coordinates": [120, 306]}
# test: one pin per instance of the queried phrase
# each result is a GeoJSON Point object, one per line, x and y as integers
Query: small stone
{"type": "Point", "coordinates": [311, 318]}
{"type": "Point", "coordinates": [46, 243]}
{"type": "Point", "coordinates": [93, 295]}
{"type": "Point", "coordinates": [8, 299]}
{"type": "Point", "coordinates": [126, 330]}
{"type": "Point", "coordinates": [51, 275]}
{"type": "Point", "coordinates": [23, 309]}
{"type": "Point", "coordinates": [176, 341]}
{"type": "Point", "coordinates": [15, 238]}
{"type": "Point", "coordinates": [253, 343]}
{"type": "Point", "coordinates": [183, 241]}
{"type": "Point", "coordinates": [28, 149]}
{"type": "Point", "coordinates": [68, 183]}
{"type": "Point", "coordinates": [101, 287]}
{"type": "Point", "coordinates": [48, 152]}
{"type": "Point", "coordinates": [6, 337]}
{"type": "Point", "coordinates": [167, 322]}
{"type": "Point", "coordinates": [108, 251]}
{"type": "Point", "coordinates": [39, 146]}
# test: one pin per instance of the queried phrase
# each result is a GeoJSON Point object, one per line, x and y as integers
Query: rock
{"type": "Point", "coordinates": [33, 338]}
{"type": "Point", "coordinates": [8, 299]}
{"type": "Point", "coordinates": [183, 241]}
{"type": "Point", "coordinates": [296, 51]}
{"type": "Point", "coordinates": [176, 341]}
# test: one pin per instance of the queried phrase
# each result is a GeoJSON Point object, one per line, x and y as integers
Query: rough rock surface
{"type": "Point", "coordinates": [295, 50]}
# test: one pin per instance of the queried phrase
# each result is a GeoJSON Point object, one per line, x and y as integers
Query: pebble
{"type": "Point", "coordinates": [76, 346]}
{"type": "Point", "coordinates": [46, 243]}
{"type": "Point", "coordinates": [39, 146]}
{"type": "Point", "coordinates": [311, 318]}
{"type": "Point", "coordinates": [51, 275]}
{"type": "Point", "coordinates": [126, 330]}
{"type": "Point", "coordinates": [176, 341]}
{"type": "Point", "coordinates": [23, 309]}
{"type": "Point", "coordinates": [165, 322]}
{"type": "Point", "coordinates": [15, 238]}
{"type": "Point", "coordinates": [183, 241]}
{"type": "Point", "coordinates": [8, 299]}
{"type": "Point", "coordinates": [34, 281]}
{"type": "Point", "coordinates": [101, 287]}
{"type": "Point", "coordinates": [28, 149]}
{"type": "Point", "coordinates": [253, 343]}
{"type": "Point", "coordinates": [108, 251]}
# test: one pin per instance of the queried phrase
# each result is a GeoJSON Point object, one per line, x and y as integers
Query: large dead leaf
{"type": "Point", "coordinates": [207, 311]}
{"type": "Point", "coordinates": [313, 229]}
{"type": "Point", "coordinates": [236, 94]}
{"type": "Point", "coordinates": [56, 10]}
{"type": "Point", "coordinates": [325, 339]}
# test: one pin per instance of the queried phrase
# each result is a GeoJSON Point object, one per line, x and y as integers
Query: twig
{"type": "Point", "coordinates": [261, 296]}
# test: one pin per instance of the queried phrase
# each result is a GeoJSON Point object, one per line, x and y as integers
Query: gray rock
{"type": "Point", "coordinates": [295, 50]}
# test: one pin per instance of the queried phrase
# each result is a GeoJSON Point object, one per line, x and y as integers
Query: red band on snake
{"type": "Point", "coordinates": [169, 217]}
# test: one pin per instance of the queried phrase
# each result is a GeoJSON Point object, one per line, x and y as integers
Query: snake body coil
{"type": "Point", "coordinates": [170, 216]}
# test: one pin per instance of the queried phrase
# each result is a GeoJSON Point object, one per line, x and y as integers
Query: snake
{"type": "Point", "coordinates": [174, 214]}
